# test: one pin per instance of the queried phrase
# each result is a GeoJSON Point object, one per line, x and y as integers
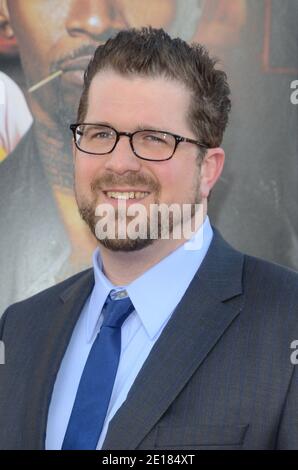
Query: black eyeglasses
{"type": "Point", "coordinates": [147, 144]}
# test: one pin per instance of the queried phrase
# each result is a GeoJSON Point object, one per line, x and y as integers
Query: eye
{"type": "Point", "coordinates": [101, 135]}
{"type": "Point", "coordinates": [98, 133]}
{"type": "Point", "coordinates": [153, 138]}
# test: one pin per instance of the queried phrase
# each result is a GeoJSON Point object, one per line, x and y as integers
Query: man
{"type": "Point", "coordinates": [200, 357]}
{"type": "Point", "coordinates": [36, 181]}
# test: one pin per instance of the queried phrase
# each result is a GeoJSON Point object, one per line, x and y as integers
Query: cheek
{"type": "Point", "coordinates": [176, 176]}
{"type": "Point", "coordinates": [164, 177]}
{"type": "Point", "coordinates": [34, 53]}
{"type": "Point", "coordinates": [85, 170]}
{"type": "Point", "coordinates": [38, 30]}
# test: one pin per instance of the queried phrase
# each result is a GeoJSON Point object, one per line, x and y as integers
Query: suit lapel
{"type": "Point", "coordinates": [210, 304]}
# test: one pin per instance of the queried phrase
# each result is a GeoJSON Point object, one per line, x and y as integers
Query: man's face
{"type": "Point", "coordinates": [62, 35]}
{"type": "Point", "coordinates": [129, 104]}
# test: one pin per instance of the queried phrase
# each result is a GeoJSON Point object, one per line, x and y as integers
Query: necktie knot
{"type": "Point", "coordinates": [115, 312]}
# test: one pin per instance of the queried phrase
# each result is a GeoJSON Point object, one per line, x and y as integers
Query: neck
{"type": "Point", "coordinates": [115, 263]}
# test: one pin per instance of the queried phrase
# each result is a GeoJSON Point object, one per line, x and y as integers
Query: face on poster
{"type": "Point", "coordinates": [61, 36]}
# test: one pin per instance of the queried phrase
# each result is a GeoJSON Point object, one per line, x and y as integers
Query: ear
{"type": "Point", "coordinates": [5, 27]}
{"type": "Point", "coordinates": [211, 169]}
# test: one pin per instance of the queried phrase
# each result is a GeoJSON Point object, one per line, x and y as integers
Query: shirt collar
{"type": "Point", "coordinates": [156, 293]}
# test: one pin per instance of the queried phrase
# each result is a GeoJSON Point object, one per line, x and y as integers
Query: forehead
{"type": "Point", "coordinates": [136, 100]}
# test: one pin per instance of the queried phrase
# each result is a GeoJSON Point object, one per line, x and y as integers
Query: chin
{"type": "Point", "coordinates": [126, 245]}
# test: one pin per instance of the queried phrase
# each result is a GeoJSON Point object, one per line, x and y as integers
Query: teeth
{"type": "Point", "coordinates": [126, 195]}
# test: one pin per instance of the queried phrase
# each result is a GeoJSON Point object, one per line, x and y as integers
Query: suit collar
{"type": "Point", "coordinates": [221, 270]}
{"type": "Point", "coordinates": [84, 280]}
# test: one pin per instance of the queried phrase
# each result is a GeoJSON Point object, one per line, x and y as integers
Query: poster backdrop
{"type": "Point", "coordinates": [255, 203]}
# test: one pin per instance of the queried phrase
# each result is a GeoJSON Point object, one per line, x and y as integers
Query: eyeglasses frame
{"type": "Point", "coordinates": [178, 138]}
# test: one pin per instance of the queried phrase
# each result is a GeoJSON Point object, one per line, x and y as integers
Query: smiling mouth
{"type": "Point", "coordinates": [125, 195]}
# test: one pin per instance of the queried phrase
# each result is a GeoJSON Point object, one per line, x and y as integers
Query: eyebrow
{"type": "Point", "coordinates": [149, 126]}
{"type": "Point", "coordinates": [139, 127]}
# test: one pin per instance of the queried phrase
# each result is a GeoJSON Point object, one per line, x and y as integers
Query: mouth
{"type": "Point", "coordinates": [73, 69]}
{"type": "Point", "coordinates": [126, 195]}
{"type": "Point", "coordinates": [79, 63]}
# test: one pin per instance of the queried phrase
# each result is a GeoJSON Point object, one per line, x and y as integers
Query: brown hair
{"type": "Point", "coordinates": [152, 52]}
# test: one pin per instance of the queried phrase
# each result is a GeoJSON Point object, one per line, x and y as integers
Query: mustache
{"type": "Point", "coordinates": [129, 179]}
{"type": "Point", "coordinates": [84, 49]}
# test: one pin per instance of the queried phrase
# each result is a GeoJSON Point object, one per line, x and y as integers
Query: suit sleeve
{"type": "Point", "coordinates": [287, 438]}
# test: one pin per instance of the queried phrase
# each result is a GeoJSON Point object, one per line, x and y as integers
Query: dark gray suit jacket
{"type": "Point", "coordinates": [219, 377]}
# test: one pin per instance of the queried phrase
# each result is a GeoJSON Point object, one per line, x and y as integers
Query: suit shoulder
{"type": "Point", "coordinates": [51, 293]}
{"type": "Point", "coordinates": [272, 269]}
{"type": "Point", "coordinates": [43, 309]}
{"type": "Point", "coordinates": [272, 276]}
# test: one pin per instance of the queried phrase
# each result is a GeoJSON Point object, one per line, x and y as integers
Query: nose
{"type": "Point", "coordinates": [95, 19]}
{"type": "Point", "coordinates": [122, 158]}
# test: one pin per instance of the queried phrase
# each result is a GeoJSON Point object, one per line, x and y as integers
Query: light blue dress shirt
{"type": "Point", "coordinates": [155, 295]}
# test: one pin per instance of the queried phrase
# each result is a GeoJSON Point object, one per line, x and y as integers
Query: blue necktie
{"type": "Point", "coordinates": [97, 381]}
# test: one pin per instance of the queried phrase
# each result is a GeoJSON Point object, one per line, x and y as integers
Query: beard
{"type": "Point", "coordinates": [88, 207]}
